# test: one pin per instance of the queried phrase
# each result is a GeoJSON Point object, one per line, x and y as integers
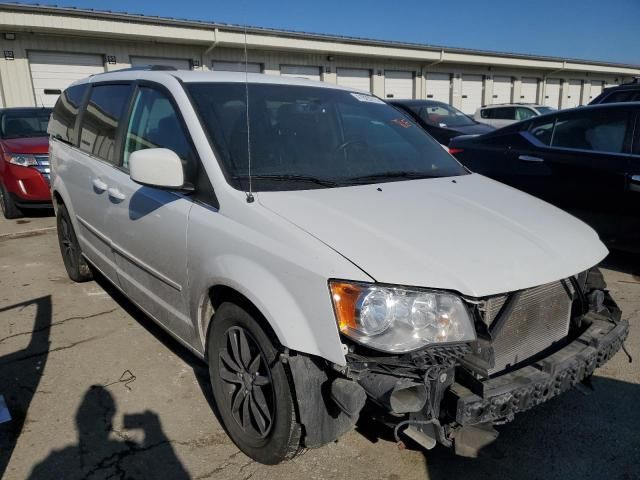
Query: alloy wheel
{"type": "Point", "coordinates": [245, 372]}
{"type": "Point", "coordinates": [68, 244]}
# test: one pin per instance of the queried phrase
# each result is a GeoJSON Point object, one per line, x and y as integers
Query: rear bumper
{"type": "Point", "coordinates": [500, 398]}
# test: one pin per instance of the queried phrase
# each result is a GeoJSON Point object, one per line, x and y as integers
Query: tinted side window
{"type": "Point", "coordinates": [154, 123]}
{"type": "Point", "coordinates": [522, 113]}
{"type": "Point", "coordinates": [63, 119]}
{"type": "Point", "coordinates": [487, 113]}
{"type": "Point", "coordinates": [623, 96]}
{"type": "Point", "coordinates": [542, 130]}
{"type": "Point", "coordinates": [505, 113]}
{"type": "Point", "coordinates": [104, 112]}
{"type": "Point", "coordinates": [600, 130]}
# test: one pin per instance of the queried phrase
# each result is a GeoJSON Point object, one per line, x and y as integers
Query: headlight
{"type": "Point", "coordinates": [23, 160]}
{"type": "Point", "coordinates": [398, 320]}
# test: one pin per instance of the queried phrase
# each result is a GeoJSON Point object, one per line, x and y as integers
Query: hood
{"type": "Point", "coordinates": [26, 145]}
{"type": "Point", "coordinates": [469, 233]}
{"type": "Point", "coordinates": [477, 129]}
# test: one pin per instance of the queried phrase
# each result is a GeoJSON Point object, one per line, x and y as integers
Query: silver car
{"type": "Point", "coordinates": [321, 252]}
{"type": "Point", "coordinates": [501, 115]}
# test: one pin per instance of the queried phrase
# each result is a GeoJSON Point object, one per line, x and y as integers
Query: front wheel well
{"type": "Point", "coordinates": [220, 294]}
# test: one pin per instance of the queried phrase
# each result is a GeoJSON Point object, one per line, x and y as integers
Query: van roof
{"type": "Point", "coordinates": [189, 76]}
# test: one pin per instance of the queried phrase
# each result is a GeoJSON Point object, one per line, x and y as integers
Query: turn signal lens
{"type": "Point", "coordinates": [344, 297]}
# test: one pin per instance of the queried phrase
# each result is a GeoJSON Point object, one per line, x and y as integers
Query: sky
{"type": "Point", "coordinates": [584, 29]}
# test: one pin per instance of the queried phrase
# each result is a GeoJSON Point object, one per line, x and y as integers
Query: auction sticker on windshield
{"type": "Point", "coordinates": [367, 98]}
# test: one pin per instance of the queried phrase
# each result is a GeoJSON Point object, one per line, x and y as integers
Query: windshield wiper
{"type": "Point", "coordinates": [292, 177]}
{"type": "Point", "coordinates": [391, 174]}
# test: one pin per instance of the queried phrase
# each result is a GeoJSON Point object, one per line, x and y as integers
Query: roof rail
{"type": "Point", "coordinates": [146, 68]}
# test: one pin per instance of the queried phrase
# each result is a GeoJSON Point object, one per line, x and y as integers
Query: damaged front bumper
{"type": "Point", "coordinates": [435, 397]}
{"type": "Point", "coordinates": [498, 399]}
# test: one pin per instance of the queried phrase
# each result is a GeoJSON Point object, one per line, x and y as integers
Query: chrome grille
{"type": "Point", "coordinates": [540, 317]}
{"type": "Point", "coordinates": [43, 166]}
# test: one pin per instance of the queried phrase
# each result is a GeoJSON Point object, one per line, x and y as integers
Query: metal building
{"type": "Point", "coordinates": [47, 48]}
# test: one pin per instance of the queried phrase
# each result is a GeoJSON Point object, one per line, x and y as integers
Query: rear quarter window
{"type": "Point", "coordinates": [65, 114]}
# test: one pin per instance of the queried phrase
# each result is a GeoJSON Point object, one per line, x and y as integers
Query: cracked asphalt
{"type": "Point", "coordinates": [96, 390]}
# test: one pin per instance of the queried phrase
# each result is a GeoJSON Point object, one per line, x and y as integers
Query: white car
{"type": "Point", "coordinates": [320, 251]}
{"type": "Point", "coordinates": [502, 115]}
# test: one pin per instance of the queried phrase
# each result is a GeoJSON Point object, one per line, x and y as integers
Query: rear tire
{"type": "Point", "coordinates": [9, 208]}
{"type": "Point", "coordinates": [77, 267]}
{"type": "Point", "coordinates": [252, 387]}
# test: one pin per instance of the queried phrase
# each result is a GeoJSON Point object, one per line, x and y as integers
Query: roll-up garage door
{"type": "Point", "coordinates": [178, 63]}
{"type": "Point", "coordinates": [471, 93]}
{"type": "Point", "coordinates": [52, 72]}
{"type": "Point", "coordinates": [596, 88]}
{"type": "Point", "coordinates": [237, 67]}
{"type": "Point", "coordinates": [552, 93]}
{"type": "Point", "coordinates": [439, 87]}
{"type": "Point", "coordinates": [398, 84]}
{"type": "Point", "coordinates": [574, 93]}
{"type": "Point", "coordinates": [355, 78]}
{"type": "Point", "coordinates": [529, 90]}
{"type": "Point", "coordinates": [502, 87]}
{"type": "Point", "coordinates": [302, 71]}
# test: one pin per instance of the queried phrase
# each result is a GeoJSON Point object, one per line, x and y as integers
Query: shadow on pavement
{"type": "Point", "coordinates": [98, 455]}
{"type": "Point", "coordinates": [623, 262]}
{"type": "Point", "coordinates": [574, 436]}
{"type": "Point", "coordinates": [20, 373]}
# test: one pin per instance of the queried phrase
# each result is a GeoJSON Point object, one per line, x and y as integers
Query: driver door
{"type": "Point", "coordinates": [149, 225]}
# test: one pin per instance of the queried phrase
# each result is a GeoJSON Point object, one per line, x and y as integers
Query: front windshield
{"type": "Point", "coordinates": [442, 115]}
{"type": "Point", "coordinates": [314, 137]}
{"type": "Point", "coordinates": [25, 123]}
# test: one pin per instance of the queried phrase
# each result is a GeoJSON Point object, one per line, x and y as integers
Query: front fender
{"type": "Point", "coordinates": [282, 270]}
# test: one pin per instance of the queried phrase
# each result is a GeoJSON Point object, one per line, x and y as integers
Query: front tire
{"type": "Point", "coordinates": [251, 387]}
{"type": "Point", "coordinates": [77, 267]}
{"type": "Point", "coordinates": [9, 208]}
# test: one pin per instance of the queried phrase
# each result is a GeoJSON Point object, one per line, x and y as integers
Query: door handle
{"type": "Point", "coordinates": [634, 183]}
{"type": "Point", "coordinates": [99, 185]}
{"type": "Point", "coordinates": [116, 194]}
{"type": "Point", "coordinates": [529, 158]}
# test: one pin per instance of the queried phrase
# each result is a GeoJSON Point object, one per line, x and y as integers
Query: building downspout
{"type": "Point", "coordinates": [424, 72]}
{"type": "Point", "coordinates": [544, 80]}
{"type": "Point", "coordinates": [210, 47]}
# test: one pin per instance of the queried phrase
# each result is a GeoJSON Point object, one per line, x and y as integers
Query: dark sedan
{"type": "Point", "coordinates": [584, 160]}
{"type": "Point", "coordinates": [441, 121]}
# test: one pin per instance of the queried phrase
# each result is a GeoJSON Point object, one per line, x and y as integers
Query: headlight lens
{"type": "Point", "coordinates": [396, 319]}
{"type": "Point", "coordinates": [23, 160]}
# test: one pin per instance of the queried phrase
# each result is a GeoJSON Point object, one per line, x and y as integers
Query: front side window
{"type": "Point", "coordinates": [24, 123]}
{"type": "Point", "coordinates": [311, 137]}
{"type": "Point", "coordinates": [107, 104]}
{"type": "Point", "coordinates": [600, 130]}
{"type": "Point", "coordinates": [154, 123]}
{"type": "Point", "coordinates": [443, 116]}
{"type": "Point", "coordinates": [65, 113]}
{"type": "Point", "coordinates": [542, 130]}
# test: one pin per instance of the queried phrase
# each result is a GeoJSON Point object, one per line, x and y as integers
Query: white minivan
{"type": "Point", "coordinates": [324, 255]}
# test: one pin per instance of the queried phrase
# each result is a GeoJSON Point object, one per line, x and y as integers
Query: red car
{"type": "Point", "coordinates": [24, 160]}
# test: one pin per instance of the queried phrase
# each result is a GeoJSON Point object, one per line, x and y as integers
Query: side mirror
{"type": "Point", "coordinates": [156, 167]}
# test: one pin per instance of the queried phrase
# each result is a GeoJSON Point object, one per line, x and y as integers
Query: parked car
{"type": "Point", "coordinates": [627, 92]}
{"type": "Point", "coordinates": [321, 251]}
{"type": "Point", "coordinates": [505, 114]}
{"type": "Point", "coordinates": [584, 160]}
{"type": "Point", "coordinates": [24, 162]}
{"type": "Point", "coordinates": [441, 121]}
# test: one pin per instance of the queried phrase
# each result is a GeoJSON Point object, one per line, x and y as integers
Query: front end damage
{"type": "Point", "coordinates": [531, 346]}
